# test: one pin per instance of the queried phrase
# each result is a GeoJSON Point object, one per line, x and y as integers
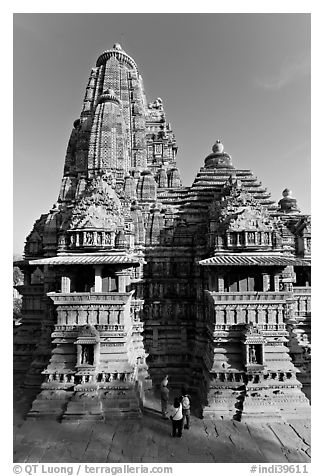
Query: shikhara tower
{"type": "Point", "coordinates": [214, 277]}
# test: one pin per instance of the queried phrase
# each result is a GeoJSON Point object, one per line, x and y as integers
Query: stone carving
{"type": "Point", "coordinates": [252, 355]}
{"type": "Point", "coordinates": [98, 208]}
{"type": "Point", "coordinates": [157, 104]}
{"type": "Point", "coordinates": [87, 355]}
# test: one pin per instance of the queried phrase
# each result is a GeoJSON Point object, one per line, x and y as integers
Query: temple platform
{"type": "Point", "coordinates": [148, 440]}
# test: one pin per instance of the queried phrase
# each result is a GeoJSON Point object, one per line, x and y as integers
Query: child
{"type": "Point", "coordinates": [185, 400]}
{"type": "Point", "coordinates": [176, 418]}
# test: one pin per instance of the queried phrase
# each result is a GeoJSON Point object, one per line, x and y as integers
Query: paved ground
{"type": "Point", "coordinates": [148, 440]}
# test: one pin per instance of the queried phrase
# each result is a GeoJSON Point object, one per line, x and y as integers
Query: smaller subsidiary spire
{"type": "Point", "coordinates": [288, 204]}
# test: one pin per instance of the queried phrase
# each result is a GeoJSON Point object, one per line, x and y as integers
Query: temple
{"type": "Point", "coordinates": [131, 275]}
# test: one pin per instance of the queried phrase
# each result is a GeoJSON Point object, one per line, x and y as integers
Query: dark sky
{"type": "Point", "coordinates": [242, 78]}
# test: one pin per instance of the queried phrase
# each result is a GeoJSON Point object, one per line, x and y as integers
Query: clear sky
{"type": "Point", "coordinates": [242, 78]}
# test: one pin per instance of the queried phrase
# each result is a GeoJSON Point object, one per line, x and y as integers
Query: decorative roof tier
{"type": "Point", "coordinates": [249, 259]}
{"type": "Point", "coordinates": [85, 259]}
{"type": "Point", "coordinates": [118, 53]}
{"type": "Point", "coordinates": [218, 159]}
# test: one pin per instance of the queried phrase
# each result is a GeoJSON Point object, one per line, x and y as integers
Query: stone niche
{"type": "Point", "coordinates": [253, 343]}
{"type": "Point", "coordinates": [88, 348]}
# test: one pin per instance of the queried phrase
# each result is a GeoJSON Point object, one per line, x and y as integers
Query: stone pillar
{"type": "Point", "coordinates": [262, 354]}
{"type": "Point", "coordinates": [128, 277]}
{"type": "Point", "coordinates": [280, 314]}
{"type": "Point", "coordinates": [123, 280]}
{"type": "Point", "coordinates": [220, 315]}
{"type": "Point", "coordinates": [265, 282]}
{"type": "Point", "coordinates": [121, 276]}
{"type": "Point", "coordinates": [247, 360]}
{"type": "Point", "coordinates": [79, 351]}
{"type": "Point", "coordinates": [220, 284]}
{"type": "Point", "coordinates": [250, 313]}
{"type": "Point", "coordinates": [65, 284]}
{"type": "Point", "coordinates": [96, 354]}
{"type": "Point", "coordinates": [276, 283]}
{"type": "Point", "coordinates": [98, 278]}
{"type": "Point", "coordinates": [261, 316]}
{"type": "Point", "coordinates": [230, 315]}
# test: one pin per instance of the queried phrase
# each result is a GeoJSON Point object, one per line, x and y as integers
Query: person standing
{"type": "Point", "coordinates": [176, 418]}
{"type": "Point", "coordinates": [186, 401]}
{"type": "Point", "coordinates": [164, 397]}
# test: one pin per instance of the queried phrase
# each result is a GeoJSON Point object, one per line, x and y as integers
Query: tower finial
{"type": "Point", "coordinates": [118, 47]}
{"type": "Point", "coordinates": [218, 158]}
{"type": "Point", "coordinates": [218, 147]}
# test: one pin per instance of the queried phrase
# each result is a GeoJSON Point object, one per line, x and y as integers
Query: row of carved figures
{"type": "Point", "coordinates": [80, 379]}
{"type": "Point", "coordinates": [249, 238]}
{"type": "Point", "coordinates": [252, 377]}
{"type": "Point", "coordinates": [87, 238]}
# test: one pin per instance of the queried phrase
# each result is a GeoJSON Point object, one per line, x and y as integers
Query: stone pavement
{"type": "Point", "coordinates": [148, 440]}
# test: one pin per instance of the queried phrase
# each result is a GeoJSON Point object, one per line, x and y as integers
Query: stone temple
{"type": "Point", "coordinates": [131, 275]}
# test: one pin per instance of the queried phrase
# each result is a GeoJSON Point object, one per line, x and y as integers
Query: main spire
{"type": "Point", "coordinates": [117, 132]}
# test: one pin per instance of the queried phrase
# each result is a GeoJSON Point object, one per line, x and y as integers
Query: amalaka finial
{"type": "Point", "coordinates": [218, 158]}
{"type": "Point", "coordinates": [218, 147]}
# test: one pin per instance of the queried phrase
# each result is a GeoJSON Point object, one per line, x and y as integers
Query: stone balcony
{"type": "Point", "coordinates": [79, 309]}
{"type": "Point", "coordinates": [302, 298]}
{"type": "Point", "coordinates": [266, 309]}
{"type": "Point", "coordinates": [257, 297]}
{"type": "Point", "coordinates": [78, 298]}
{"type": "Point", "coordinates": [302, 290]}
